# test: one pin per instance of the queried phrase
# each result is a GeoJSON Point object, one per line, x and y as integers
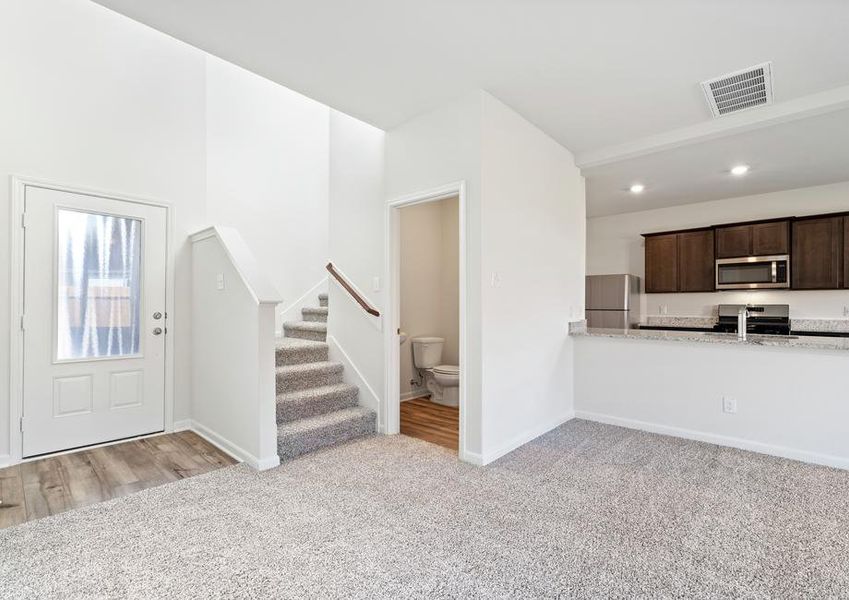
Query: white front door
{"type": "Point", "coordinates": [94, 324]}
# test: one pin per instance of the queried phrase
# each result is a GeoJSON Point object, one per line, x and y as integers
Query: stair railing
{"type": "Point", "coordinates": [353, 292]}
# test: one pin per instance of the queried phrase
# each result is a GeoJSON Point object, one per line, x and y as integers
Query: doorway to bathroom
{"type": "Point", "coordinates": [426, 342]}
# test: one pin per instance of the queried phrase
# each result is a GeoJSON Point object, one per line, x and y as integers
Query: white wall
{"type": "Point", "coordinates": [430, 297]}
{"type": "Point", "coordinates": [614, 245]}
{"type": "Point", "coordinates": [96, 100]}
{"type": "Point", "coordinates": [268, 174]}
{"type": "Point", "coordinates": [794, 405]}
{"type": "Point", "coordinates": [526, 223]}
{"type": "Point", "coordinates": [93, 99]}
{"type": "Point", "coordinates": [233, 373]}
{"type": "Point", "coordinates": [428, 152]}
{"type": "Point", "coordinates": [533, 241]}
{"type": "Point", "coordinates": [356, 248]}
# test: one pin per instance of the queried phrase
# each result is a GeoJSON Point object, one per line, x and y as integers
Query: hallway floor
{"type": "Point", "coordinates": [431, 422]}
{"type": "Point", "coordinates": [52, 485]}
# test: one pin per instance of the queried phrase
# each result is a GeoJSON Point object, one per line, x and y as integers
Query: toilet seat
{"type": "Point", "coordinates": [447, 369]}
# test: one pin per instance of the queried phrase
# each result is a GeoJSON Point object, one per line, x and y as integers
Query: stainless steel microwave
{"type": "Point", "coordinates": [753, 272]}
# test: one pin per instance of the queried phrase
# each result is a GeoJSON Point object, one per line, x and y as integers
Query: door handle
{"type": "Point", "coordinates": [157, 331]}
{"type": "Point", "coordinates": [157, 315]}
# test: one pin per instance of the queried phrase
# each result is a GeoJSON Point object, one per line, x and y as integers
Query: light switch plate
{"type": "Point", "coordinates": [729, 405]}
{"type": "Point", "coordinates": [219, 281]}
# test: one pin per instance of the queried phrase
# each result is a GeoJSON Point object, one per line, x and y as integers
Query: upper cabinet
{"type": "Point", "coordinates": [757, 239]}
{"type": "Point", "coordinates": [680, 262]}
{"type": "Point", "coordinates": [662, 263]}
{"type": "Point", "coordinates": [733, 241]}
{"type": "Point", "coordinates": [818, 246]}
{"type": "Point", "coordinates": [771, 238]}
{"type": "Point", "coordinates": [846, 252]}
{"type": "Point", "coordinates": [817, 261]}
{"type": "Point", "coordinates": [696, 261]}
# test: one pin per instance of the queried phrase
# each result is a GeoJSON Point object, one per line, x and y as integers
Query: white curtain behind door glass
{"type": "Point", "coordinates": [99, 285]}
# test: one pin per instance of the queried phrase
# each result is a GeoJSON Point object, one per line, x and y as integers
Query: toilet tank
{"type": "Point", "coordinates": [427, 351]}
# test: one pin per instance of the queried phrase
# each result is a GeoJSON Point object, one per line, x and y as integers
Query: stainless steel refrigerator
{"type": "Point", "coordinates": [613, 301]}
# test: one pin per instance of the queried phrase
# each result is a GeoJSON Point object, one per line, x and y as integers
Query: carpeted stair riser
{"type": "Point", "coordinates": [298, 355]}
{"type": "Point", "coordinates": [300, 437]}
{"type": "Point", "coordinates": [306, 330]}
{"type": "Point", "coordinates": [310, 375]}
{"type": "Point", "coordinates": [322, 300]}
{"type": "Point", "coordinates": [315, 315]}
{"type": "Point", "coordinates": [305, 404]}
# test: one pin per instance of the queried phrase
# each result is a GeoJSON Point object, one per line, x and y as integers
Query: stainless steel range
{"type": "Point", "coordinates": [770, 319]}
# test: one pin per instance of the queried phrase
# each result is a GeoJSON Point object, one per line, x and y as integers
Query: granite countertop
{"type": "Point", "coordinates": [703, 322]}
{"type": "Point", "coordinates": [710, 337]}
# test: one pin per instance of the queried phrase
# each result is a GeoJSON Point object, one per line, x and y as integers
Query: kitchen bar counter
{"type": "Point", "coordinates": [709, 337]}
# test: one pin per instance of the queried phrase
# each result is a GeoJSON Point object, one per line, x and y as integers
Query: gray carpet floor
{"type": "Point", "coordinates": [585, 511]}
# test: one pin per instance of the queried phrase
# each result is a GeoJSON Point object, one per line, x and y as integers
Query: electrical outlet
{"type": "Point", "coordinates": [846, 311]}
{"type": "Point", "coordinates": [729, 405]}
{"type": "Point", "coordinates": [663, 309]}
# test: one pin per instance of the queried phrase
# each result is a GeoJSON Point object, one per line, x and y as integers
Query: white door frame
{"type": "Point", "coordinates": [391, 408]}
{"type": "Point", "coordinates": [16, 297]}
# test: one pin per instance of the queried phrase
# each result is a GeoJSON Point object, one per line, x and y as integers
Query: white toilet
{"type": "Point", "coordinates": [443, 381]}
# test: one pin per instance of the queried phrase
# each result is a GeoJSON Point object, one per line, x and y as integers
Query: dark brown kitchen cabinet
{"type": "Point", "coordinates": [680, 262]}
{"type": "Point", "coordinates": [771, 238]}
{"type": "Point", "coordinates": [757, 239]}
{"type": "Point", "coordinates": [695, 261]}
{"type": "Point", "coordinates": [818, 253]}
{"type": "Point", "coordinates": [662, 263]}
{"type": "Point", "coordinates": [846, 252]}
{"type": "Point", "coordinates": [733, 242]}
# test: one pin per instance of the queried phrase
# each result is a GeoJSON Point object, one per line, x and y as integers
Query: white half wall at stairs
{"type": "Point", "coordinates": [353, 376]}
{"type": "Point", "coordinates": [233, 348]}
{"type": "Point", "coordinates": [292, 311]}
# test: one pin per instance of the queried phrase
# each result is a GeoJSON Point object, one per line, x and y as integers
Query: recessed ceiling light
{"type": "Point", "coordinates": [740, 170]}
{"type": "Point", "coordinates": [637, 188]}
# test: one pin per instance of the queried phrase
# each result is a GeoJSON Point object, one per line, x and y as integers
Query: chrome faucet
{"type": "Point", "coordinates": [743, 322]}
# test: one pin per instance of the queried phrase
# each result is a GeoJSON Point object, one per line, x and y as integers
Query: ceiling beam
{"type": "Point", "coordinates": [791, 110]}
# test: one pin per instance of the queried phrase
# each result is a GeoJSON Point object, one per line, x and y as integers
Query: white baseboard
{"type": "Point", "coordinates": [182, 425]}
{"type": "Point", "coordinates": [260, 464]}
{"type": "Point", "coordinates": [522, 439]}
{"type": "Point", "coordinates": [720, 440]}
{"type": "Point", "coordinates": [472, 458]}
{"type": "Point", "coordinates": [353, 376]}
{"type": "Point", "coordinates": [292, 311]}
{"type": "Point", "coordinates": [412, 394]}
{"type": "Point", "coordinates": [5, 460]}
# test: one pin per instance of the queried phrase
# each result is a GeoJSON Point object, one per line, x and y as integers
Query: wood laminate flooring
{"type": "Point", "coordinates": [47, 486]}
{"type": "Point", "coordinates": [431, 422]}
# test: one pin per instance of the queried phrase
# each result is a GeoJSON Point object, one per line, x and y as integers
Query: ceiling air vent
{"type": "Point", "coordinates": [739, 90]}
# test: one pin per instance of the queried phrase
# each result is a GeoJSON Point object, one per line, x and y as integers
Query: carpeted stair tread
{"type": "Point", "coordinates": [306, 435]}
{"type": "Point", "coordinates": [315, 314]}
{"type": "Point", "coordinates": [293, 351]}
{"type": "Point", "coordinates": [308, 375]}
{"type": "Point", "coordinates": [312, 402]}
{"type": "Point", "coordinates": [308, 330]}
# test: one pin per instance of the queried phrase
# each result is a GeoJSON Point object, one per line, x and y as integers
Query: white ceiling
{"type": "Point", "coordinates": [594, 74]}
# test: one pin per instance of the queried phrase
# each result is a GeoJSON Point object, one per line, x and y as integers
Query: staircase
{"type": "Point", "coordinates": [315, 408]}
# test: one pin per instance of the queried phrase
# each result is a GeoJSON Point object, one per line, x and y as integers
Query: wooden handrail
{"type": "Point", "coordinates": [350, 289]}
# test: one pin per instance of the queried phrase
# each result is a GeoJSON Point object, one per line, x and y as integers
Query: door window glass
{"type": "Point", "coordinates": [99, 285]}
